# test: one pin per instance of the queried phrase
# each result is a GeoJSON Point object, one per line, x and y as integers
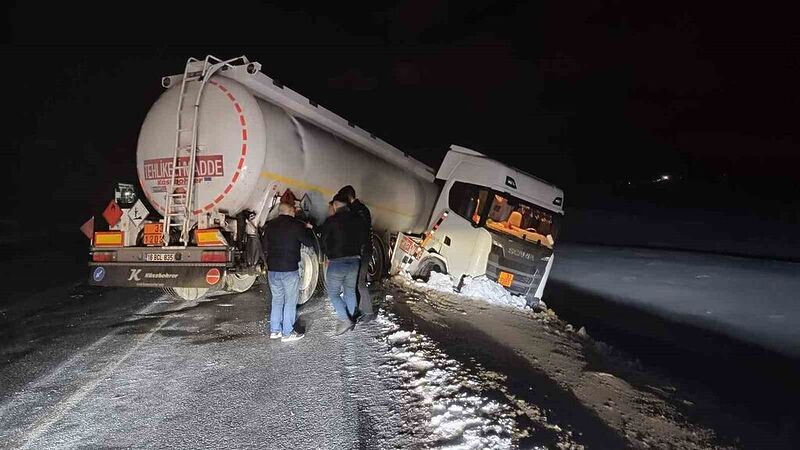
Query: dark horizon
{"type": "Point", "coordinates": [599, 101]}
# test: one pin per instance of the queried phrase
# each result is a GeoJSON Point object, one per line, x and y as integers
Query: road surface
{"type": "Point", "coordinates": [89, 367]}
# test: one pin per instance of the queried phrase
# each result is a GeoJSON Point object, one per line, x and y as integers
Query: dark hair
{"type": "Point", "coordinates": [340, 197]}
{"type": "Point", "coordinates": [348, 192]}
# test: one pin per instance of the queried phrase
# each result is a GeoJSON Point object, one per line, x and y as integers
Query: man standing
{"type": "Point", "coordinates": [361, 210]}
{"type": "Point", "coordinates": [281, 242]}
{"type": "Point", "coordinates": [343, 235]}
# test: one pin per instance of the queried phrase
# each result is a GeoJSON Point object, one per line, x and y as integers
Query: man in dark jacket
{"type": "Point", "coordinates": [361, 210]}
{"type": "Point", "coordinates": [343, 236]}
{"type": "Point", "coordinates": [281, 242]}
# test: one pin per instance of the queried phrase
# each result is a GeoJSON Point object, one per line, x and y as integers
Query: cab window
{"type": "Point", "coordinates": [467, 200]}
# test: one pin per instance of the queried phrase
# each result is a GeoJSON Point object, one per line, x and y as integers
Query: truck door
{"type": "Point", "coordinates": [460, 239]}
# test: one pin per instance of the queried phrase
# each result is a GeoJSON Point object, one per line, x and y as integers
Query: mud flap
{"type": "Point", "coordinates": [160, 275]}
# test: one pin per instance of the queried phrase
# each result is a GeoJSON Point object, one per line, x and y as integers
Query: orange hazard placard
{"type": "Point", "coordinates": [112, 213]}
{"type": "Point", "coordinates": [153, 233]}
{"type": "Point", "coordinates": [505, 279]}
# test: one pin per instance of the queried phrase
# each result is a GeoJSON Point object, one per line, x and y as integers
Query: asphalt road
{"type": "Point", "coordinates": [90, 367]}
{"type": "Point", "coordinates": [99, 368]}
{"type": "Point", "coordinates": [131, 368]}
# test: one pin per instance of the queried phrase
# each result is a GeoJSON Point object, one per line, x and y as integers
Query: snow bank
{"type": "Point", "coordinates": [440, 282]}
{"type": "Point", "coordinates": [485, 289]}
{"type": "Point", "coordinates": [481, 288]}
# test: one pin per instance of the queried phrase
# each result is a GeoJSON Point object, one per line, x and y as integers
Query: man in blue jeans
{"type": "Point", "coordinates": [281, 242]}
{"type": "Point", "coordinates": [343, 235]}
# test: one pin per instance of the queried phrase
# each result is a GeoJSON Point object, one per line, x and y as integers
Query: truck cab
{"type": "Point", "coordinates": [493, 220]}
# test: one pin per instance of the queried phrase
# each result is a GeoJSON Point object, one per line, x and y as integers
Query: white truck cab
{"type": "Point", "coordinates": [489, 219]}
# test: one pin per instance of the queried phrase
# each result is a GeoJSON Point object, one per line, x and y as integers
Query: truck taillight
{"type": "Point", "coordinates": [108, 239]}
{"type": "Point", "coordinates": [214, 256]}
{"type": "Point", "coordinates": [208, 237]}
{"type": "Point", "coordinates": [104, 256]}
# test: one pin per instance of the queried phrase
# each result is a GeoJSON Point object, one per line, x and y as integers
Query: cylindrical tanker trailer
{"type": "Point", "coordinates": [249, 142]}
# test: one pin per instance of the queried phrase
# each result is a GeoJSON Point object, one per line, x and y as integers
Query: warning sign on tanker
{"type": "Point", "coordinates": [206, 167]}
{"type": "Point", "coordinates": [138, 213]}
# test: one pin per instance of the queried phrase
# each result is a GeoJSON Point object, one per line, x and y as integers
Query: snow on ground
{"type": "Point", "coordinates": [481, 288]}
{"type": "Point", "coordinates": [457, 408]}
{"type": "Point", "coordinates": [440, 282]}
{"type": "Point", "coordinates": [491, 291]}
{"type": "Point", "coordinates": [755, 300]}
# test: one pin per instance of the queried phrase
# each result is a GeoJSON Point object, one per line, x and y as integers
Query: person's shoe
{"type": "Point", "coordinates": [293, 336]}
{"type": "Point", "coordinates": [366, 318]}
{"type": "Point", "coordinates": [343, 326]}
{"type": "Point", "coordinates": [275, 335]}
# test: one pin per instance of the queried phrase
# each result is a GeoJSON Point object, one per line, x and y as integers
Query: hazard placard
{"type": "Point", "coordinates": [88, 228]}
{"type": "Point", "coordinates": [505, 279]}
{"type": "Point", "coordinates": [153, 233]}
{"type": "Point", "coordinates": [138, 213]}
{"type": "Point", "coordinates": [112, 213]}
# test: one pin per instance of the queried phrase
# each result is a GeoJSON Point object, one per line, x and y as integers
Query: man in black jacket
{"type": "Point", "coordinates": [343, 235]}
{"type": "Point", "coordinates": [281, 243]}
{"type": "Point", "coordinates": [361, 210]}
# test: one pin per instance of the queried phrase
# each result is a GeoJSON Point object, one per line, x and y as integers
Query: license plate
{"type": "Point", "coordinates": [160, 257]}
{"type": "Point", "coordinates": [505, 279]}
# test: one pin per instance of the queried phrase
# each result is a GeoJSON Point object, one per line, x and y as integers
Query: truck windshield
{"type": "Point", "coordinates": [504, 213]}
{"type": "Point", "coordinates": [517, 218]}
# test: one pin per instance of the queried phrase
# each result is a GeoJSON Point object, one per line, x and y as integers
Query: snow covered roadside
{"type": "Point", "coordinates": [459, 407]}
{"type": "Point", "coordinates": [479, 288]}
{"type": "Point", "coordinates": [608, 388]}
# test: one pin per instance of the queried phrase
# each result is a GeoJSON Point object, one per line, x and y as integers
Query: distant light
{"type": "Point", "coordinates": [665, 177]}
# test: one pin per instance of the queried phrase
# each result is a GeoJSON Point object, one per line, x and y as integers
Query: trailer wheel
{"type": "Point", "coordinates": [376, 266]}
{"type": "Point", "coordinates": [309, 274]}
{"type": "Point", "coordinates": [186, 293]}
{"type": "Point", "coordinates": [235, 282]}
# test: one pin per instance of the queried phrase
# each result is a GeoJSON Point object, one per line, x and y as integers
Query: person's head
{"type": "Point", "coordinates": [348, 192]}
{"type": "Point", "coordinates": [286, 209]}
{"type": "Point", "coordinates": [340, 200]}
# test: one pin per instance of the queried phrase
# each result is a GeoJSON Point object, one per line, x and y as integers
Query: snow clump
{"type": "Point", "coordinates": [485, 289]}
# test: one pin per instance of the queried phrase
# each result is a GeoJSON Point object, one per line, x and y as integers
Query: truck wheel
{"type": "Point", "coordinates": [309, 274]}
{"type": "Point", "coordinates": [376, 265]}
{"type": "Point", "coordinates": [236, 282]}
{"type": "Point", "coordinates": [186, 293]}
{"type": "Point", "coordinates": [428, 266]}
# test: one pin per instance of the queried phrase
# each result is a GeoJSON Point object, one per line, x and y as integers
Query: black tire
{"type": "Point", "coordinates": [428, 266]}
{"type": "Point", "coordinates": [376, 265]}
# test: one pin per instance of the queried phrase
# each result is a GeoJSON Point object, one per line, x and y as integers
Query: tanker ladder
{"type": "Point", "coordinates": [178, 204]}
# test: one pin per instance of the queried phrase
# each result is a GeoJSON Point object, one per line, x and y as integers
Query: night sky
{"type": "Point", "coordinates": [591, 95]}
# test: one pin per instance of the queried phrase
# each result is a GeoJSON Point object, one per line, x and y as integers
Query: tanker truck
{"type": "Point", "coordinates": [224, 144]}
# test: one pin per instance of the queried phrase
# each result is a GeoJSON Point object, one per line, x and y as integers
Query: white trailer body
{"type": "Point", "coordinates": [251, 141]}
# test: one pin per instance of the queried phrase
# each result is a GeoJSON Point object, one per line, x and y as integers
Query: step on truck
{"type": "Point", "coordinates": [224, 144]}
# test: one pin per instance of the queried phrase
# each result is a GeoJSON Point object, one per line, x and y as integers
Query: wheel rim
{"type": "Point", "coordinates": [240, 282]}
{"type": "Point", "coordinates": [309, 274]}
{"type": "Point", "coordinates": [375, 263]}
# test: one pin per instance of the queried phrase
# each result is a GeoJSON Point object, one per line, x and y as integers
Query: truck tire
{"type": "Point", "coordinates": [235, 282]}
{"type": "Point", "coordinates": [376, 266]}
{"type": "Point", "coordinates": [186, 293]}
{"type": "Point", "coordinates": [429, 265]}
{"type": "Point", "coordinates": [309, 271]}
